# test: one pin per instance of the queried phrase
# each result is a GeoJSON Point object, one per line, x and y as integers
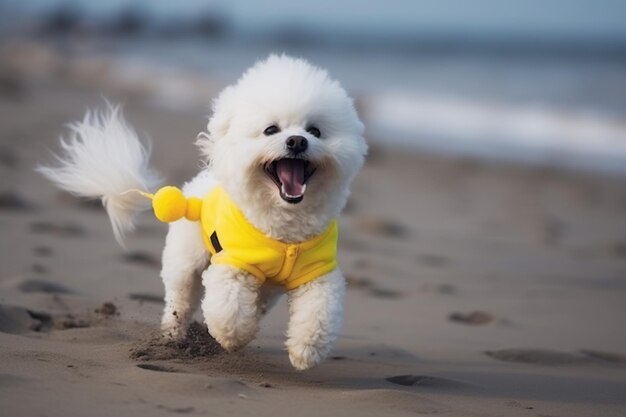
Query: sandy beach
{"type": "Point", "coordinates": [475, 289]}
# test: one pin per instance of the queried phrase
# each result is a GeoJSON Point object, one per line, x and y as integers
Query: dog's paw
{"type": "Point", "coordinates": [305, 356]}
{"type": "Point", "coordinates": [230, 343]}
{"type": "Point", "coordinates": [233, 334]}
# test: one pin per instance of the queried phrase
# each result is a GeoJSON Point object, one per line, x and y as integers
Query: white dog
{"type": "Point", "coordinates": [284, 144]}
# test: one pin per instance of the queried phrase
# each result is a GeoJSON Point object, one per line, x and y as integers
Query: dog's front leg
{"type": "Point", "coordinates": [315, 316]}
{"type": "Point", "coordinates": [230, 305]}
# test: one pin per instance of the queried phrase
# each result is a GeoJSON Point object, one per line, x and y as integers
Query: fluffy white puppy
{"type": "Point", "coordinates": [284, 142]}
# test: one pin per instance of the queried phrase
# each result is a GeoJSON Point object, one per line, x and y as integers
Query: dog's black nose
{"type": "Point", "coordinates": [297, 144]}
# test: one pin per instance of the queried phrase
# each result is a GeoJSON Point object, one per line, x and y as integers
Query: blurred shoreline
{"type": "Point", "coordinates": [411, 107]}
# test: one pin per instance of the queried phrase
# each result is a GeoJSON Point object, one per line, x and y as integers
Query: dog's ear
{"type": "Point", "coordinates": [219, 123]}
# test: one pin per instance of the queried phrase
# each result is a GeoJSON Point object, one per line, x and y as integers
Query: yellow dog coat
{"type": "Point", "coordinates": [232, 240]}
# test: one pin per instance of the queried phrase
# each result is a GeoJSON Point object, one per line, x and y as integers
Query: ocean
{"type": "Point", "coordinates": [530, 82]}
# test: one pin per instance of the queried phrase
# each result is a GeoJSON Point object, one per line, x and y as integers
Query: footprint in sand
{"type": "Point", "coordinates": [19, 320]}
{"type": "Point", "coordinates": [12, 201]}
{"type": "Point", "coordinates": [425, 381]}
{"type": "Point", "coordinates": [371, 288]}
{"type": "Point", "coordinates": [555, 358]}
{"type": "Point", "coordinates": [42, 286]}
{"type": "Point", "coordinates": [432, 260]}
{"type": "Point", "coordinates": [48, 322]}
{"type": "Point", "coordinates": [142, 258]}
{"type": "Point", "coordinates": [378, 292]}
{"type": "Point", "coordinates": [81, 203]}
{"type": "Point", "coordinates": [177, 410]}
{"type": "Point", "coordinates": [146, 298]}
{"type": "Point", "coordinates": [64, 230]}
{"type": "Point", "coordinates": [16, 320]}
{"type": "Point", "coordinates": [157, 368]}
{"type": "Point", "coordinates": [439, 288]}
{"type": "Point", "coordinates": [475, 318]}
{"type": "Point", "coordinates": [605, 356]}
{"type": "Point", "coordinates": [382, 227]}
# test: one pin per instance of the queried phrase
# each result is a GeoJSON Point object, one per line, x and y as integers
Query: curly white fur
{"type": "Point", "coordinates": [315, 316]}
{"type": "Point", "coordinates": [104, 158]}
{"type": "Point", "coordinates": [231, 305]}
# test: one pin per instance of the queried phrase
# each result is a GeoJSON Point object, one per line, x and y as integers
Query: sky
{"type": "Point", "coordinates": [560, 19]}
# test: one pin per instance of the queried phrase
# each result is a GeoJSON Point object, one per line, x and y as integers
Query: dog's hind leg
{"type": "Point", "coordinates": [231, 305]}
{"type": "Point", "coordinates": [184, 257]}
{"type": "Point", "coordinates": [315, 316]}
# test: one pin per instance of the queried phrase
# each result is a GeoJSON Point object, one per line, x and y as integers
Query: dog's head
{"type": "Point", "coordinates": [285, 136]}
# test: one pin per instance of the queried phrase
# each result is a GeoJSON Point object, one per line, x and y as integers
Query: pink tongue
{"type": "Point", "coordinates": [291, 175]}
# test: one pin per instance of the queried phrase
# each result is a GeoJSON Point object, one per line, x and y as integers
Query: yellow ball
{"type": "Point", "coordinates": [169, 204]}
{"type": "Point", "coordinates": [194, 209]}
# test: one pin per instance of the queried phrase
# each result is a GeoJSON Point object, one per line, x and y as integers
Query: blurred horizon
{"type": "Point", "coordinates": [524, 81]}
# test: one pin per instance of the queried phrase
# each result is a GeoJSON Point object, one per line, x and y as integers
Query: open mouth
{"type": "Point", "coordinates": [290, 176]}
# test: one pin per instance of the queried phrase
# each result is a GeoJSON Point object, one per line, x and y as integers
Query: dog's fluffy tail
{"type": "Point", "coordinates": [102, 158]}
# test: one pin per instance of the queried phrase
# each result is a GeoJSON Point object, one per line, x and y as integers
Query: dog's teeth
{"type": "Point", "coordinates": [282, 189]}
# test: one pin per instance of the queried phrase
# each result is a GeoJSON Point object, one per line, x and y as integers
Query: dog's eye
{"type": "Point", "coordinates": [314, 131]}
{"type": "Point", "coordinates": [271, 130]}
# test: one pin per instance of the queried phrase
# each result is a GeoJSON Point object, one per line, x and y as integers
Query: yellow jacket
{"type": "Point", "coordinates": [232, 240]}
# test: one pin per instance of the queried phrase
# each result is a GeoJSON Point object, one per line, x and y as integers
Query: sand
{"type": "Point", "coordinates": [475, 289]}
